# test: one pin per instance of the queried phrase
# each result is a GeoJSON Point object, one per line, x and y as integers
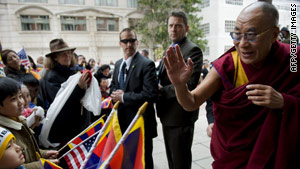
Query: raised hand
{"type": "Point", "coordinates": [178, 71]}
{"type": "Point", "coordinates": [84, 80]}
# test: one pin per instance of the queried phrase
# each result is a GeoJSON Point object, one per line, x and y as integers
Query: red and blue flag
{"type": "Point", "coordinates": [130, 154]}
{"type": "Point", "coordinates": [95, 127]}
{"type": "Point", "coordinates": [24, 59]}
{"type": "Point", "coordinates": [107, 103]}
{"type": "Point", "coordinates": [77, 155]}
{"type": "Point", "coordinates": [106, 143]}
{"type": "Point", "coordinates": [89, 131]}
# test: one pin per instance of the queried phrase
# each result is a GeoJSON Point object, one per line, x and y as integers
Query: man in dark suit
{"type": "Point", "coordinates": [134, 82]}
{"type": "Point", "coordinates": [178, 124]}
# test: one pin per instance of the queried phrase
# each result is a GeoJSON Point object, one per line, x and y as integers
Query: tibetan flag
{"type": "Point", "coordinates": [89, 131]}
{"type": "Point", "coordinates": [2, 73]}
{"type": "Point", "coordinates": [24, 59]}
{"type": "Point", "coordinates": [77, 155]}
{"type": "Point", "coordinates": [131, 153]}
{"type": "Point", "coordinates": [106, 143]}
{"type": "Point", "coordinates": [107, 103]}
{"type": "Point", "coordinates": [35, 74]}
{"type": "Point", "coordinates": [48, 164]}
{"type": "Point", "coordinates": [96, 126]}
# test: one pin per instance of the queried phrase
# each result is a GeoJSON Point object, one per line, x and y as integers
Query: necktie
{"type": "Point", "coordinates": [121, 77]}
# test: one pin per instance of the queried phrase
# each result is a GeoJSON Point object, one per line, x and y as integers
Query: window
{"type": "Point", "coordinates": [35, 23]}
{"type": "Point", "coordinates": [206, 51]}
{"type": "Point", "coordinates": [285, 7]}
{"type": "Point", "coordinates": [106, 2]}
{"type": "Point", "coordinates": [131, 3]}
{"type": "Point", "coordinates": [78, 2]}
{"type": "Point", "coordinates": [227, 47]}
{"type": "Point", "coordinates": [37, 1]}
{"type": "Point", "coordinates": [205, 28]}
{"type": "Point", "coordinates": [107, 24]}
{"type": "Point", "coordinates": [234, 2]}
{"type": "Point", "coordinates": [73, 23]}
{"type": "Point", "coordinates": [204, 3]}
{"type": "Point", "coordinates": [133, 22]}
{"type": "Point", "coordinates": [229, 26]}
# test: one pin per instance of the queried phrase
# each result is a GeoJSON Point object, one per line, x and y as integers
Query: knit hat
{"type": "Point", "coordinates": [5, 137]}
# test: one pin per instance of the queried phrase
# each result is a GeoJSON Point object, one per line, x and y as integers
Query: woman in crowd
{"type": "Point", "coordinates": [13, 68]}
{"type": "Point", "coordinates": [103, 72]}
{"type": "Point", "coordinates": [71, 120]}
{"type": "Point", "coordinates": [91, 65]}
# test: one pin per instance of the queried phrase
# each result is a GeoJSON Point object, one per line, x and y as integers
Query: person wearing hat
{"type": "Point", "coordinates": [11, 155]}
{"type": "Point", "coordinates": [11, 109]}
{"type": "Point", "coordinates": [61, 65]}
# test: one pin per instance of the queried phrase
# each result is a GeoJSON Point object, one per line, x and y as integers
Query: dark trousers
{"type": "Point", "coordinates": [178, 143]}
{"type": "Point", "coordinates": [148, 153]}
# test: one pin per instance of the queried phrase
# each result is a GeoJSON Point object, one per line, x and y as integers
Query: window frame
{"type": "Point", "coordinates": [71, 2]}
{"type": "Point", "coordinates": [132, 3]}
{"type": "Point", "coordinates": [205, 28]}
{"type": "Point", "coordinates": [73, 23]}
{"type": "Point", "coordinates": [229, 26]}
{"type": "Point", "coordinates": [107, 25]}
{"type": "Point", "coordinates": [106, 3]}
{"type": "Point", "coordinates": [32, 1]}
{"type": "Point", "coordinates": [35, 23]}
{"type": "Point", "coordinates": [235, 2]}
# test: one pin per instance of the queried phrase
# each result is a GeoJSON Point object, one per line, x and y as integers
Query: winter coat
{"type": "Point", "coordinates": [73, 118]}
{"type": "Point", "coordinates": [15, 74]}
{"type": "Point", "coordinates": [25, 139]}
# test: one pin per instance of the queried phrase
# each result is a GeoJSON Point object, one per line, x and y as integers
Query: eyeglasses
{"type": "Point", "coordinates": [125, 41]}
{"type": "Point", "coordinates": [249, 36]}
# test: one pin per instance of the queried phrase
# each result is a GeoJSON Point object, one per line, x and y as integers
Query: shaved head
{"type": "Point", "coordinates": [269, 11]}
{"type": "Point", "coordinates": [260, 19]}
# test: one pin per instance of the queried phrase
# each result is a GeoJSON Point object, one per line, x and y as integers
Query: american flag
{"type": "Point", "coordinates": [24, 59]}
{"type": "Point", "coordinates": [76, 156]}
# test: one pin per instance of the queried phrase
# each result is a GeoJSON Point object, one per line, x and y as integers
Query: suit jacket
{"type": "Point", "coordinates": [168, 109]}
{"type": "Point", "coordinates": [140, 86]}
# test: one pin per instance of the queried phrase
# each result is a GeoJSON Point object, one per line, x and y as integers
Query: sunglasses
{"type": "Point", "coordinates": [125, 41]}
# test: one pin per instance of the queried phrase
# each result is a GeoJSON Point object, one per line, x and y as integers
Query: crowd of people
{"type": "Point", "coordinates": [253, 99]}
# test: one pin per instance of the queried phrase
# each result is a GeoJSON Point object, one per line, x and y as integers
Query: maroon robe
{"type": "Point", "coordinates": [255, 137]}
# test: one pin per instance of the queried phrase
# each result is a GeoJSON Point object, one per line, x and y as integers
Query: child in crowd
{"type": "Point", "coordinates": [32, 84]}
{"type": "Point", "coordinates": [11, 109]}
{"type": "Point", "coordinates": [11, 156]}
{"type": "Point", "coordinates": [104, 88]}
{"type": "Point", "coordinates": [33, 115]}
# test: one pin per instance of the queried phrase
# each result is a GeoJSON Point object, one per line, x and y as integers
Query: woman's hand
{"type": "Point", "coordinates": [84, 80]}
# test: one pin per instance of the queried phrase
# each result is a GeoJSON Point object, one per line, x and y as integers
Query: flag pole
{"type": "Point", "coordinates": [111, 155]}
{"type": "Point", "coordinates": [80, 134]}
{"type": "Point", "coordinates": [109, 118]}
{"type": "Point", "coordinates": [78, 145]}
